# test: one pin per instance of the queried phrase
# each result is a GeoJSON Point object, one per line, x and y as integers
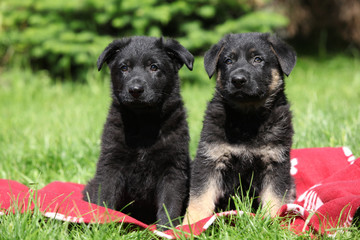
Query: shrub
{"type": "Point", "coordinates": [66, 37]}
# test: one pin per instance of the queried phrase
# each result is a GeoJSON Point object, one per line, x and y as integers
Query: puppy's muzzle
{"type": "Point", "coordinates": [136, 90]}
{"type": "Point", "coordinates": [238, 80]}
{"type": "Point", "coordinates": [136, 87]}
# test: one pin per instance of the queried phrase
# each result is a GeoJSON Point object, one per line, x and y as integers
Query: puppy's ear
{"type": "Point", "coordinates": [285, 54]}
{"type": "Point", "coordinates": [176, 51]}
{"type": "Point", "coordinates": [211, 58]}
{"type": "Point", "coordinates": [108, 54]}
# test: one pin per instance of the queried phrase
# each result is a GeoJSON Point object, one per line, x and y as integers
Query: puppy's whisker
{"type": "Point", "coordinates": [163, 93]}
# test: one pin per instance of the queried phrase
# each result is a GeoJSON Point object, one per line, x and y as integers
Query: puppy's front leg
{"type": "Point", "coordinates": [172, 192]}
{"type": "Point", "coordinates": [106, 188]}
{"type": "Point", "coordinates": [270, 199]}
{"type": "Point", "coordinates": [204, 194]}
{"type": "Point", "coordinates": [277, 189]}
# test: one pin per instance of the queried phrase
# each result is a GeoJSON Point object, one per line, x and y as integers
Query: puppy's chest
{"type": "Point", "coordinates": [249, 141]}
{"type": "Point", "coordinates": [145, 164]}
{"type": "Point", "coordinates": [141, 175]}
{"type": "Point", "coordinates": [247, 132]}
{"type": "Point", "coordinates": [223, 155]}
{"type": "Point", "coordinates": [142, 163]}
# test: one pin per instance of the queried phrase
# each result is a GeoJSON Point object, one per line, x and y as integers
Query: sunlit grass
{"type": "Point", "coordinates": [325, 100]}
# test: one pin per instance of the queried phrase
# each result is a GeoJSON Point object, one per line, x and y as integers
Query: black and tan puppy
{"type": "Point", "coordinates": [144, 160]}
{"type": "Point", "coordinates": [247, 132]}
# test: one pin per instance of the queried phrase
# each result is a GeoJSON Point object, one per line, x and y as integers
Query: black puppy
{"type": "Point", "coordinates": [247, 133]}
{"type": "Point", "coordinates": [144, 160]}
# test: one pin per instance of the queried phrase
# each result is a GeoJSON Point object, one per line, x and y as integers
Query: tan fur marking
{"type": "Point", "coordinates": [271, 154]}
{"type": "Point", "coordinates": [291, 195]}
{"type": "Point", "coordinates": [222, 152]}
{"type": "Point", "coordinates": [204, 205]}
{"type": "Point", "coordinates": [276, 80]}
{"type": "Point", "coordinates": [270, 200]}
{"type": "Point", "coordinates": [252, 50]}
{"type": "Point", "coordinates": [218, 79]}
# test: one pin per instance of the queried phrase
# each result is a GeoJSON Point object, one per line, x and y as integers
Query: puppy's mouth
{"type": "Point", "coordinates": [246, 97]}
{"type": "Point", "coordinates": [136, 103]}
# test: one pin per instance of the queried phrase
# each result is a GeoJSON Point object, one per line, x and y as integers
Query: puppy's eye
{"type": "Point", "coordinates": [153, 67]}
{"type": "Point", "coordinates": [258, 60]}
{"type": "Point", "coordinates": [228, 61]}
{"type": "Point", "coordinates": [124, 68]}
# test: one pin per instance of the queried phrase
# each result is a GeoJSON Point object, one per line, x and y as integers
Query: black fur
{"type": "Point", "coordinates": [144, 159]}
{"type": "Point", "coordinates": [246, 122]}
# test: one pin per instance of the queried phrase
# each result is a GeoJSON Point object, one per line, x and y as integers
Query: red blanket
{"type": "Point", "coordinates": [327, 183]}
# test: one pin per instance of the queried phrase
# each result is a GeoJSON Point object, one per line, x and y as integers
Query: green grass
{"type": "Point", "coordinates": [325, 101]}
{"type": "Point", "coordinates": [50, 131]}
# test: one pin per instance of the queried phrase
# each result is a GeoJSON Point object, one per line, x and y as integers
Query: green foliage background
{"type": "Point", "coordinates": [66, 37]}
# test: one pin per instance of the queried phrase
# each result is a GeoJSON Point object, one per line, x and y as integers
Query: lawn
{"type": "Point", "coordinates": [50, 131]}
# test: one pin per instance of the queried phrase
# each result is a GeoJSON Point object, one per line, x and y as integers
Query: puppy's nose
{"type": "Point", "coordinates": [238, 81]}
{"type": "Point", "coordinates": [136, 90]}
